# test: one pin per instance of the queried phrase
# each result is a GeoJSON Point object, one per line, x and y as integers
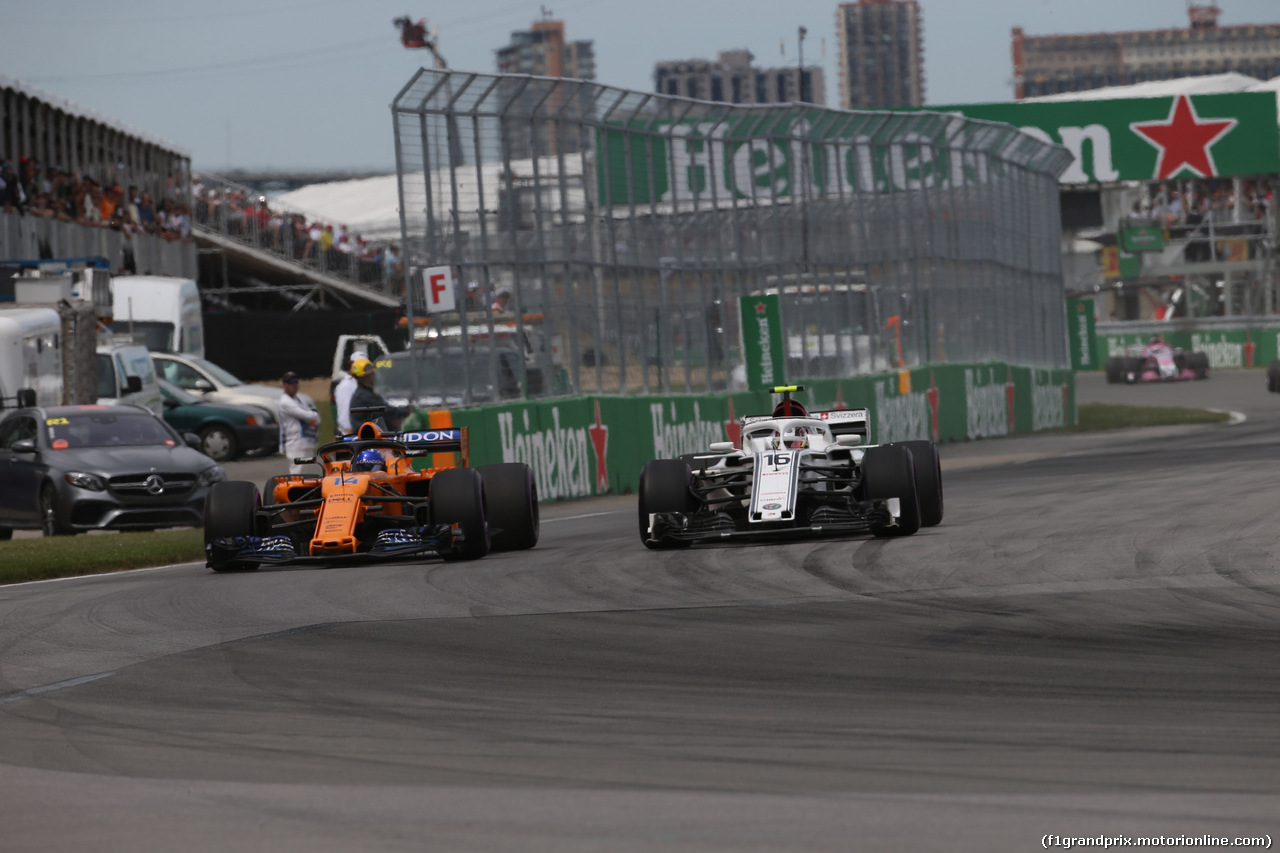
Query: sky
{"type": "Point", "coordinates": [290, 85]}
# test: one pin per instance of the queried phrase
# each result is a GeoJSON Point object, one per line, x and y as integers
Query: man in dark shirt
{"type": "Point", "coordinates": [365, 396]}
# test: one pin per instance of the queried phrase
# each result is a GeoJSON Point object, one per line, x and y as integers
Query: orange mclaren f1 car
{"type": "Point", "coordinates": [370, 503]}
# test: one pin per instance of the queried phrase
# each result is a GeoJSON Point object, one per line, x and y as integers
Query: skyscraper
{"type": "Point", "coordinates": [732, 79]}
{"type": "Point", "coordinates": [881, 54]}
{"type": "Point", "coordinates": [1047, 65]}
{"type": "Point", "coordinates": [542, 50]}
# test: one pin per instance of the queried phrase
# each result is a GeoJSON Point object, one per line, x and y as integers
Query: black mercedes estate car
{"type": "Point", "coordinates": [68, 469]}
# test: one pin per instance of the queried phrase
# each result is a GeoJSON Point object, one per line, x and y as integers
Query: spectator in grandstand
{"type": "Point", "coordinates": [314, 233]}
{"type": "Point", "coordinates": [12, 197]}
{"type": "Point", "coordinates": [501, 302]}
{"type": "Point", "coordinates": [27, 175]}
{"type": "Point", "coordinates": [182, 222]}
{"type": "Point", "coordinates": [109, 202]}
{"type": "Point", "coordinates": [147, 214]}
{"type": "Point", "coordinates": [90, 212]}
{"type": "Point", "coordinates": [326, 244]}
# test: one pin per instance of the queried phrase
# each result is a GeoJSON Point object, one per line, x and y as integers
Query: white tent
{"type": "Point", "coordinates": [370, 207]}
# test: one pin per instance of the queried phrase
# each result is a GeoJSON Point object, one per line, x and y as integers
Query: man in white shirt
{"type": "Point", "coordinates": [342, 397]}
{"type": "Point", "coordinates": [298, 423]}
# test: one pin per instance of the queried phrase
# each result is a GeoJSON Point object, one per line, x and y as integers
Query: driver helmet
{"type": "Point", "coordinates": [796, 438]}
{"type": "Point", "coordinates": [368, 460]}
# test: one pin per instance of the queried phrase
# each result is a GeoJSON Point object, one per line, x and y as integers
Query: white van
{"type": "Point", "coordinates": [126, 377]}
{"type": "Point", "coordinates": [31, 355]}
{"type": "Point", "coordinates": [164, 312]}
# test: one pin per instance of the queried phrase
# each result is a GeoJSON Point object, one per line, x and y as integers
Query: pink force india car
{"type": "Point", "coordinates": [1156, 362]}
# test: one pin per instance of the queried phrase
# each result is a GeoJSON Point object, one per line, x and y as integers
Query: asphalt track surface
{"type": "Point", "coordinates": [1088, 645]}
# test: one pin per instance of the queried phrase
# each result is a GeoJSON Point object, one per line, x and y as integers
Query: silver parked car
{"type": "Point", "coordinates": [204, 378]}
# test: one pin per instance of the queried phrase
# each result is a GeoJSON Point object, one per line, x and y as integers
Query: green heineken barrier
{"type": "Point", "coordinates": [1252, 346]}
{"type": "Point", "coordinates": [587, 446]}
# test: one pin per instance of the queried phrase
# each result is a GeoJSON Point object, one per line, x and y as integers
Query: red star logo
{"type": "Point", "coordinates": [599, 434]}
{"type": "Point", "coordinates": [932, 395]}
{"type": "Point", "coordinates": [759, 307]}
{"type": "Point", "coordinates": [733, 429]}
{"type": "Point", "coordinates": [1184, 140]}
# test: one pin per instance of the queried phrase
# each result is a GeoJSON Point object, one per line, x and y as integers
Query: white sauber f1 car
{"type": "Point", "coordinates": [795, 474]}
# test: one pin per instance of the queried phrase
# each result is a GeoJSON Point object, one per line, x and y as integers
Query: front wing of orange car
{"type": "Point", "coordinates": [393, 543]}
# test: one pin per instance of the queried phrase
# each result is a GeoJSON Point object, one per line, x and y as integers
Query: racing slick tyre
{"type": "Point", "coordinates": [230, 511]}
{"type": "Point", "coordinates": [6, 533]}
{"type": "Point", "coordinates": [511, 499]}
{"type": "Point", "coordinates": [1115, 370]}
{"type": "Point", "coordinates": [1273, 376]}
{"type": "Point", "coordinates": [218, 442]}
{"type": "Point", "coordinates": [664, 487]}
{"type": "Point", "coordinates": [1132, 370]}
{"type": "Point", "coordinates": [928, 470]}
{"type": "Point", "coordinates": [457, 497]}
{"type": "Point", "coordinates": [889, 472]}
{"type": "Point", "coordinates": [1198, 362]}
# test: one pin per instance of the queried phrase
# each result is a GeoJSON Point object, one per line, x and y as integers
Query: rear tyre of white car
{"type": "Point", "coordinates": [664, 488]}
{"type": "Point", "coordinates": [230, 511]}
{"type": "Point", "coordinates": [457, 497]}
{"type": "Point", "coordinates": [511, 498]}
{"type": "Point", "coordinates": [928, 468]}
{"type": "Point", "coordinates": [888, 472]}
{"type": "Point", "coordinates": [1273, 376]}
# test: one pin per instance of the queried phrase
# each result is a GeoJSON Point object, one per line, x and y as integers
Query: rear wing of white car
{"type": "Point", "coordinates": [847, 422]}
{"type": "Point", "coordinates": [840, 421]}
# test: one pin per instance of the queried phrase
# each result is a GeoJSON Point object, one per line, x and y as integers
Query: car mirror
{"type": "Point", "coordinates": [304, 460]}
{"type": "Point", "coordinates": [132, 384]}
{"type": "Point", "coordinates": [192, 440]}
{"type": "Point", "coordinates": [26, 398]}
{"type": "Point", "coordinates": [204, 386]}
{"type": "Point", "coordinates": [849, 440]}
{"type": "Point", "coordinates": [24, 445]}
{"type": "Point", "coordinates": [722, 447]}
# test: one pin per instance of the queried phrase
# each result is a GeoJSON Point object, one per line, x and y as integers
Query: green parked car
{"type": "Point", "coordinates": [225, 431]}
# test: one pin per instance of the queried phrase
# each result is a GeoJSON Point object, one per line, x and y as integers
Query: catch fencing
{"type": "Point", "coordinates": [626, 226]}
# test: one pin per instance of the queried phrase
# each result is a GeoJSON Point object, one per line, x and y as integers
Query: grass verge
{"type": "Point", "coordinates": [66, 556]}
{"type": "Point", "coordinates": [1096, 416]}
